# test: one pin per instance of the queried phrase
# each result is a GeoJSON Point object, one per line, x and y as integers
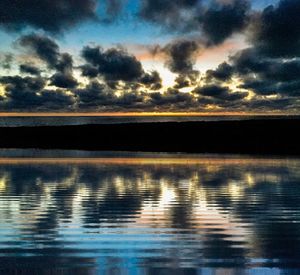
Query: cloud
{"type": "Point", "coordinates": [100, 96]}
{"type": "Point", "coordinates": [152, 80]}
{"type": "Point", "coordinates": [22, 92]}
{"type": "Point", "coordinates": [94, 94]}
{"type": "Point", "coordinates": [221, 20]}
{"type": "Point", "coordinates": [113, 64]}
{"type": "Point", "coordinates": [65, 63]}
{"type": "Point", "coordinates": [264, 75]}
{"type": "Point", "coordinates": [89, 71]}
{"type": "Point", "coordinates": [276, 32]}
{"type": "Point", "coordinates": [130, 100]}
{"type": "Point", "coordinates": [220, 92]}
{"type": "Point", "coordinates": [187, 80]}
{"type": "Point", "coordinates": [53, 16]}
{"type": "Point", "coordinates": [43, 47]}
{"type": "Point", "coordinates": [48, 51]}
{"type": "Point", "coordinates": [116, 64]}
{"type": "Point", "coordinates": [181, 57]}
{"type": "Point", "coordinates": [55, 100]}
{"type": "Point", "coordinates": [269, 87]}
{"type": "Point", "coordinates": [6, 60]}
{"type": "Point", "coordinates": [63, 80]}
{"type": "Point", "coordinates": [212, 21]}
{"type": "Point", "coordinates": [116, 79]}
{"type": "Point", "coordinates": [248, 60]}
{"type": "Point", "coordinates": [29, 69]}
{"type": "Point", "coordinates": [223, 72]}
{"type": "Point", "coordinates": [18, 84]}
{"type": "Point", "coordinates": [171, 97]}
{"type": "Point", "coordinates": [29, 93]}
{"type": "Point", "coordinates": [170, 14]}
{"type": "Point", "coordinates": [271, 104]}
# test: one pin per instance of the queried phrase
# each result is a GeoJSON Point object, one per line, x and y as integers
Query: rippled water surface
{"type": "Point", "coordinates": [149, 215]}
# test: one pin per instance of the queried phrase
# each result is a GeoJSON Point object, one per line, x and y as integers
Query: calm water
{"type": "Point", "coordinates": [63, 120]}
{"type": "Point", "coordinates": [149, 214]}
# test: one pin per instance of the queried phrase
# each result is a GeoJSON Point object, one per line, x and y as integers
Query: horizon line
{"type": "Point", "coordinates": [137, 114]}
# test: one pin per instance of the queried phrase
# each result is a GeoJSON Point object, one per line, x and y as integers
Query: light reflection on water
{"type": "Point", "coordinates": [150, 215]}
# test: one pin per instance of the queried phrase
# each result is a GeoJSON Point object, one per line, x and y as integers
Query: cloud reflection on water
{"type": "Point", "coordinates": [149, 215]}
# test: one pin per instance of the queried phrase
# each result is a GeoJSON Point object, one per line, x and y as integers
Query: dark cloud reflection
{"type": "Point", "coordinates": [132, 213]}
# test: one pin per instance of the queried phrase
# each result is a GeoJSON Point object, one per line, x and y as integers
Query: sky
{"type": "Point", "coordinates": [116, 56]}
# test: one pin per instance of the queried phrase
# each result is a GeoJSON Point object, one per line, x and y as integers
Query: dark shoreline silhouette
{"type": "Point", "coordinates": [277, 137]}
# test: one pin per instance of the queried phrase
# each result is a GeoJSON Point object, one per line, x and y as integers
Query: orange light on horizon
{"type": "Point", "coordinates": [137, 114]}
{"type": "Point", "coordinates": [174, 160]}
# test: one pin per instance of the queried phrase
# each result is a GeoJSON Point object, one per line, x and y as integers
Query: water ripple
{"type": "Point", "coordinates": [139, 216]}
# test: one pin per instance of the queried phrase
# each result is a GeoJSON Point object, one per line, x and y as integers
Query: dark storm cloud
{"type": "Point", "coordinates": [271, 65]}
{"type": "Point", "coordinates": [181, 58]}
{"type": "Point", "coordinates": [181, 55]}
{"type": "Point", "coordinates": [53, 16]}
{"type": "Point", "coordinates": [116, 64]}
{"type": "Point", "coordinates": [65, 63]}
{"type": "Point", "coordinates": [170, 100]}
{"type": "Point", "coordinates": [264, 75]}
{"type": "Point", "coordinates": [182, 81]}
{"type": "Point", "coordinates": [22, 91]}
{"type": "Point", "coordinates": [269, 87]}
{"type": "Point", "coordinates": [55, 100]}
{"type": "Point", "coordinates": [274, 70]}
{"type": "Point", "coordinates": [223, 72]}
{"type": "Point", "coordinates": [171, 14]}
{"type": "Point", "coordinates": [259, 86]}
{"type": "Point", "coordinates": [48, 51]}
{"type": "Point", "coordinates": [63, 80]}
{"type": "Point", "coordinates": [89, 71]}
{"type": "Point", "coordinates": [271, 104]}
{"type": "Point", "coordinates": [276, 31]}
{"type": "Point", "coordinates": [186, 80]}
{"type": "Point", "coordinates": [130, 100]}
{"type": "Point", "coordinates": [221, 20]}
{"type": "Point", "coordinates": [29, 93]}
{"type": "Point", "coordinates": [249, 61]}
{"type": "Point", "coordinates": [152, 80]}
{"type": "Point", "coordinates": [171, 96]}
{"type": "Point", "coordinates": [94, 94]}
{"type": "Point", "coordinates": [29, 69]}
{"type": "Point", "coordinates": [219, 92]}
{"type": "Point", "coordinates": [18, 84]}
{"type": "Point", "coordinates": [113, 64]}
{"type": "Point", "coordinates": [6, 61]}
{"type": "Point", "coordinates": [214, 21]}
{"type": "Point", "coordinates": [99, 95]}
{"type": "Point", "coordinates": [43, 47]}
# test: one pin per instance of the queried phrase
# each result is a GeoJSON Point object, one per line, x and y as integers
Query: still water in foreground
{"type": "Point", "coordinates": [150, 215]}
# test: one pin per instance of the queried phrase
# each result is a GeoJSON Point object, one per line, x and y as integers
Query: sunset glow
{"type": "Point", "coordinates": [169, 58]}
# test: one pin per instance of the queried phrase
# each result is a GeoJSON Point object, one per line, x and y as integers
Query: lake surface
{"type": "Point", "coordinates": [148, 214]}
{"type": "Point", "coordinates": [81, 120]}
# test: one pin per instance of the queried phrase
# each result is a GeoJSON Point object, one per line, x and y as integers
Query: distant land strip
{"type": "Point", "coordinates": [276, 137]}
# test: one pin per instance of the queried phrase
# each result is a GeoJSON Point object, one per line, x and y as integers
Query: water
{"type": "Point", "coordinates": [64, 120]}
{"type": "Point", "coordinates": [148, 214]}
